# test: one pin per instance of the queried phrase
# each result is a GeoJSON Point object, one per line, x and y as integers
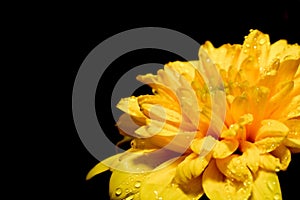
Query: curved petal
{"type": "Point", "coordinates": [192, 167]}
{"type": "Point", "coordinates": [225, 147]}
{"type": "Point", "coordinates": [124, 185]}
{"type": "Point", "coordinates": [293, 137]}
{"type": "Point", "coordinates": [218, 186]}
{"type": "Point", "coordinates": [103, 166]}
{"type": "Point", "coordinates": [269, 162]}
{"type": "Point", "coordinates": [235, 167]}
{"type": "Point", "coordinates": [159, 185]}
{"type": "Point", "coordinates": [266, 186]}
{"type": "Point", "coordinates": [270, 135]}
{"type": "Point", "coordinates": [284, 155]}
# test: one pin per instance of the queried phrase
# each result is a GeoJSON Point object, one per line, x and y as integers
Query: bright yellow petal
{"type": "Point", "coordinates": [251, 155]}
{"type": "Point", "coordinates": [185, 69]}
{"type": "Point", "coordinates": [159, 185]}
{"type": "Point", "coordinates": [281, 97]}
{"type": "Point", "coordinates": [217, 186]}
{"type": "Point", "coordinates": [192, 167]}
{"type": "Point", "coordinates": [130, 106]}
{"type": "Point", "coordinates": [102, 166]}
{"type": "Point", "coordinates": [235, 167]}
{"type": "Point", "coordinates": [239, 106]}
{"type": "Point", "coordinates": [293, 137]}
{"type": "Point", "coordinates": [269, 162]}
{"type": "Point", "coordinates": [225, 148]}
{"type": "Point", "coordinates": [266, 186]}
{"type": "Point", "coordinates": [270, 135]}
{"type": "Point", "coordinates": [284, 155]}
{"type": "Point", "coordinates": [124, 185]}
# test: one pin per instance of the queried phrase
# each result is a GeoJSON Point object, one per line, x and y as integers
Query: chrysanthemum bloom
{"type": "Point", "coordinates": [170, 128]}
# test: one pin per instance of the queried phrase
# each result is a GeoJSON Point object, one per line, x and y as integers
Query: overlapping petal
{"type": "Point", "coordinates": [260, 131]}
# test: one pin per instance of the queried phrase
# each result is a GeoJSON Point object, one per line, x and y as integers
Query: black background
{"type": "Point", "coordinates": [62, 35]}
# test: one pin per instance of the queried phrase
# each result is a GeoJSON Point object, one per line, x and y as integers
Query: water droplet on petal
{"type": "Point", "coordinates": [262, 41]}
{"type": "Point", "coordinates": [277, 196]}
{"type": "Point", "coordinates": [130, 197]}
{"type": "Point", "coordinates": [137, 184]}
{"type": "Point", "coordinates": [271, 185]}
{"type": "Point", "coordinates": [118, 191]}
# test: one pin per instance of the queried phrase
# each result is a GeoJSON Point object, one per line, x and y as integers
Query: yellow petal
{"type": "Point", "coordinates": [159, 185]}
{"type": "Point", "coordinates": [270, 135]}
{"type": "Point", "coordinates": [287, 70]}
{"type": "Point", "coordinates": [276, 49]}
{"type": "Point", "coordinates": [251, 155]}
{"type": "Point", "coordinates": [185, 69]}
{"type": "Point", "coordinates": [102, 166]}
{"type": "Point", "coordinates": [130, 106]}
{"type": "Point", "coordinates": [266, 186]}
{"type": "Point", "coordinates": [218, 186]}
{"type": "Point", "coordinates": [271, 128]}
{"type": "Point", "coordinates": [192, 167]}
{"type": "Point", "coordinates": [279, 98]}
{"type": "Point", "coordinates": [225, 148]}
{"type": "Point", "coordinates": [239, 106]}
{"type": "Point", "coordinates": [293, 137]}
{"type": "Point", "coordinates": [269, 162]}
{"type": "Point", "coordinates": [284, 155]}
{"type": "Point", "coordinates": [123, 185]}
{"type": "Point", "coordinates": [160, 113]}
{"type": "Point", "coordinates": [234, 166]}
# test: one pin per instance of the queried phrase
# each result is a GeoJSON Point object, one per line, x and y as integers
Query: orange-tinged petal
{"type": "Point", "coordinates": [266, 186]}
{"type": "Point", "coordinates": [218, 186]}
{"type": "Point", "coordinates": [239, 106]}
{"type": "Point", "coordinates": [279, 98]}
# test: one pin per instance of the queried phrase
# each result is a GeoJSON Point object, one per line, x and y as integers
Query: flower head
{"type": "Point", "coordinates": [199, 134]}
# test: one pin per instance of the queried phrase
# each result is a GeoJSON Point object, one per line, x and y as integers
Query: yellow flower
{"type": "Point", "coordinates": [180, 150]}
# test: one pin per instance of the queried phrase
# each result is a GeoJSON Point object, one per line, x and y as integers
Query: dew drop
{"type": "Point", "coordinates": [130, 197]}
{"type": "Point", "coordinates": [262, 41]}
{"type": "Point", "coordinates": [271, 185]}
{"type": "Point", "coordinates": [277, 196]}
{"type": "Point", "coordinates": [277, 168]}
{"type": "Point", "coordinates": [118, 191]}
{"type": "Point", "coordinates": [137, 184]}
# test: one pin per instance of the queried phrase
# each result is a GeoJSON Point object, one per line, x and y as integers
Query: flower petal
{"type": "Point", "coordinates": [293, 137]}
{"type": "Point", "coordinates": [159, 185]}
{"type": "Point", "coordinates": [102, 166]}
{"type": "Point", "coordinates": [270, 135]}
{"type": "Point", "coordinates": [266, 186]}
{"type": "Point", "coordinates": [234, 167]}
{"type": "Point", "coordinates": [218, 186]}
{"type": "Point", "coordinates": [284, 155]}
{"type": "Point", "coordinates": [225, 147]}
{"type": "Point", "coordinates": [269, 162]}
{"type": "Point", "coordinates": [192, 167]}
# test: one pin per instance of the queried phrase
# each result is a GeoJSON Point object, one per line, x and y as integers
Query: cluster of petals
{"type": "Point", "coordinates": [184, 151]}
